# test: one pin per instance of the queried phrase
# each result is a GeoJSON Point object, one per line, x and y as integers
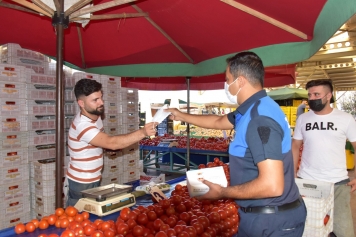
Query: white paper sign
{"type": "Point", "coordinates": [161, 114]}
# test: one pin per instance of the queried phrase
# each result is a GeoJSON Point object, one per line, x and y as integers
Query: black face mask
{"type": "Point", "coordinates": [316, 105]}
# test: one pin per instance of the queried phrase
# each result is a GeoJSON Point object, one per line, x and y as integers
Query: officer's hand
{"type": "Point", "coordinates": [150, 129]}
{"type": "Point", "coordinates": [352, 183]}
{"type": "Point", "coordinates": [175, 114]}
{"type": "Point", "coordinates": [214, 193]}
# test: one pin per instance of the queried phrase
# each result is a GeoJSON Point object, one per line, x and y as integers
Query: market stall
{"type": "Point", "coordinates": [142, 200]}
{"type": "Point", "coordinates": [177, 158]}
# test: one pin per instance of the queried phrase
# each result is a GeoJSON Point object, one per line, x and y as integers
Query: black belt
{"type": "Point", "coordinates": [272, 209]}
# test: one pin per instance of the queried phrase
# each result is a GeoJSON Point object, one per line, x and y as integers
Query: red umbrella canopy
{"type": "Point", "coordinates": [274, 77]}
{"type": "Point", "coordinates": [180, 38]}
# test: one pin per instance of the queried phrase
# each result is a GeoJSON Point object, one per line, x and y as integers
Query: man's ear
{"type": "Point", "coordinates": [81, 103]}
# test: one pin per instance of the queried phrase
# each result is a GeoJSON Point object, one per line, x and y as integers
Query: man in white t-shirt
{"type": "Point", "coordinates": [86, 140]}
{"type": "Point", "coordinates": [323, 132]}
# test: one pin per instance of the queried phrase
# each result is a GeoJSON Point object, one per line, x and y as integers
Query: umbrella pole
{"type": "Point", "coordinates": [60, 23]}
{"type": "Point", "coordinates": [187, 79]}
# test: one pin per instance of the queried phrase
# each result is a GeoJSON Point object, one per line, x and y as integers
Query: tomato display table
{"type": "Point", "coordinates": [177, 158]}
{"type": "Point", "coordinates": [143, 201]}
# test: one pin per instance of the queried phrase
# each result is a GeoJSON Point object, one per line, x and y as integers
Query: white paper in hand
{"type": "Point", "coordinates": [161, 114]}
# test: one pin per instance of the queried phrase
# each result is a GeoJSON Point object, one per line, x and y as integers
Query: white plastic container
{"type": "Point", "coordinates": [41, 137]}
{"type": "Point", "coordinates": [12, 73]}
{"type": "Point", "coordinates": [80, 75]}
{"type": "Point", "coordinates": [42, 79]}
{"type": "Point", "coordinates": [130, 175]}
{"type": "Point", "coordinates": [13, 157]}
{"type": "Point", "coordinates": [7, 221]}
{"type": "Point", "coordinates": [9, 107]}
{"type": "Point", "coordinates": [14, 90]}
{"type": "Point", "coordinates": [13, 140]}
{"type": "Point", "coordinates": [13, 123]}
{"type": "Point", "coordinates": [41, 122]}
{"type": "Point", "coordinates": [34, 93]}
{"type": "Point", "coordinates": [110, 82]}
{"type": "Point", "coordinates": [41, 107]}
{"type": "Point", "coordinates": [13, 190]}
{"type": "Point", "coordinates": [41, 152]}
{"type": "Point", "coordinates": [319, 200]}
{"type": "Point", "coordinates": [14, 174]}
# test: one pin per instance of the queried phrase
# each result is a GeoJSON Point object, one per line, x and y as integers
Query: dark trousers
{"type": "Point", "coordinates": [283, 223]}
{"type": "Point", "coordinates": [74, 193]}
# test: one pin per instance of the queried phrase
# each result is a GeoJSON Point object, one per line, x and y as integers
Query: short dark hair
{"type": "Point", "coordinates": [86, 87]}
{"type": "Point", "coordinates": [322, 82]}
{"type": "Point", "coordinates": [248, 65]}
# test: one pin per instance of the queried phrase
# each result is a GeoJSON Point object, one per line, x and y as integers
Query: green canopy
{"type": "Point", "coordinates": [288, 93]}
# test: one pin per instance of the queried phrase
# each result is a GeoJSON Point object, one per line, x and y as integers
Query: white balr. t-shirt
{"type": "Point", "coordinates": [324, 138]}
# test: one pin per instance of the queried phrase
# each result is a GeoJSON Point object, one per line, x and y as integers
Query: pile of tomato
{"type": "Point", "coordinates": [180, 216]}
{"type": "Point", "coordinates": [74, 223]}
{"type": "Point", "coordinates": [210, 143]}
{"type": "Point", "coordinates": [217, 162]}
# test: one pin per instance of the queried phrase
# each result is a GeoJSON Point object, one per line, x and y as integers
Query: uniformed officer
{"type": "Point", "coordinates": [261, 162]}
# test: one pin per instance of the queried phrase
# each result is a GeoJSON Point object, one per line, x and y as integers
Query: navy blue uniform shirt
{"type": "Point", "coordinates": [258, 137]}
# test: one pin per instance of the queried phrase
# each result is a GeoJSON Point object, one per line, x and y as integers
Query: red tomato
{"type": "Point", "coordinates": [79, 218]}
{"type": "Point", "coordinates": [204, 221]}
{"type": "Point", "coordinates": [97, 233]}
{"type": "Point", "coordinates": [326, 219]}
{"type": "Point", "coordinates": [161, 234]}
{"type": "Point", "coordinates": [124, 213]}
{"type": "Point", "coordinates": [198, 227]}
{"type": "Point", "coordinates": [52, 235]}
{"type": "Point", "coordinates": [30, 227]}
{"type": "Point", "coordinates": [142, 219]}
{"type": "Point", "coordinates": [171, 232]}
{"type": "Point", "coordinates": [214, 217]}
{"type": "Point", "coordinates": [191, 231]}
{"type": "Point", "coordinates": [184, 216]}
{"type": "Point", "coordinates": [201, 166]}
{"type": "Point", "coordinates": [43, 224]}
{"type": "Point", "coordinates": [178, 187]}
{"type": "Point", "coordinates": [78, 231]}
{"type": "Point", "coordinates": [67, 233]}
{"type": "Point", "coordinates": [109, 232]}
{"type": "Point", "coordinates": [181, 208]}
{"type": "Point", "coordinates": [183, 234]}
{"type": "Point", "coordinates": [137, 230]}
{"type": "Point", "coordinates": [157, 224]}
{"type": "Point", "coordinates": [36, 222]}
{"type": "Point", "coordinates": [216, 160]}
{"type": "Point", "coordinates": [206, 234]}
{"type": "Point", "coordinates": [170, 211]}
{"type": "Point", "coordinates": [165, 203]}
{"type": "Point", "coordinates": [59, 211]}
{"type": "Point", "coordinates": [71, 211]}
{"type": "Point", "coordinates": [42, 235]}
{"type": "Point", "coordinates": [122, 229]}
{"type": "Point", "coordinates": [171, 221]}
{"type": "Point", "coordinates": [159, 210]}
{"type": "Point", "coordinates": [131, 223]}
{"type": "Point", "coordinates": [164, 227]}
{"type": "Point", "coordinates": [89, 229]}
{"type": "Point", "coordinates": [178, 228]}
{"type": "Point", "coordinates": [152, 215]}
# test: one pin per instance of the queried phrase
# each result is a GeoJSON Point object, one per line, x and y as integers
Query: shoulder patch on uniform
{"type": "Point", "coordinates": [264, 133]}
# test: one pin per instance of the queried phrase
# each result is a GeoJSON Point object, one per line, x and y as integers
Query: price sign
{"type": "Point", "coordinates": [157, 193]}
